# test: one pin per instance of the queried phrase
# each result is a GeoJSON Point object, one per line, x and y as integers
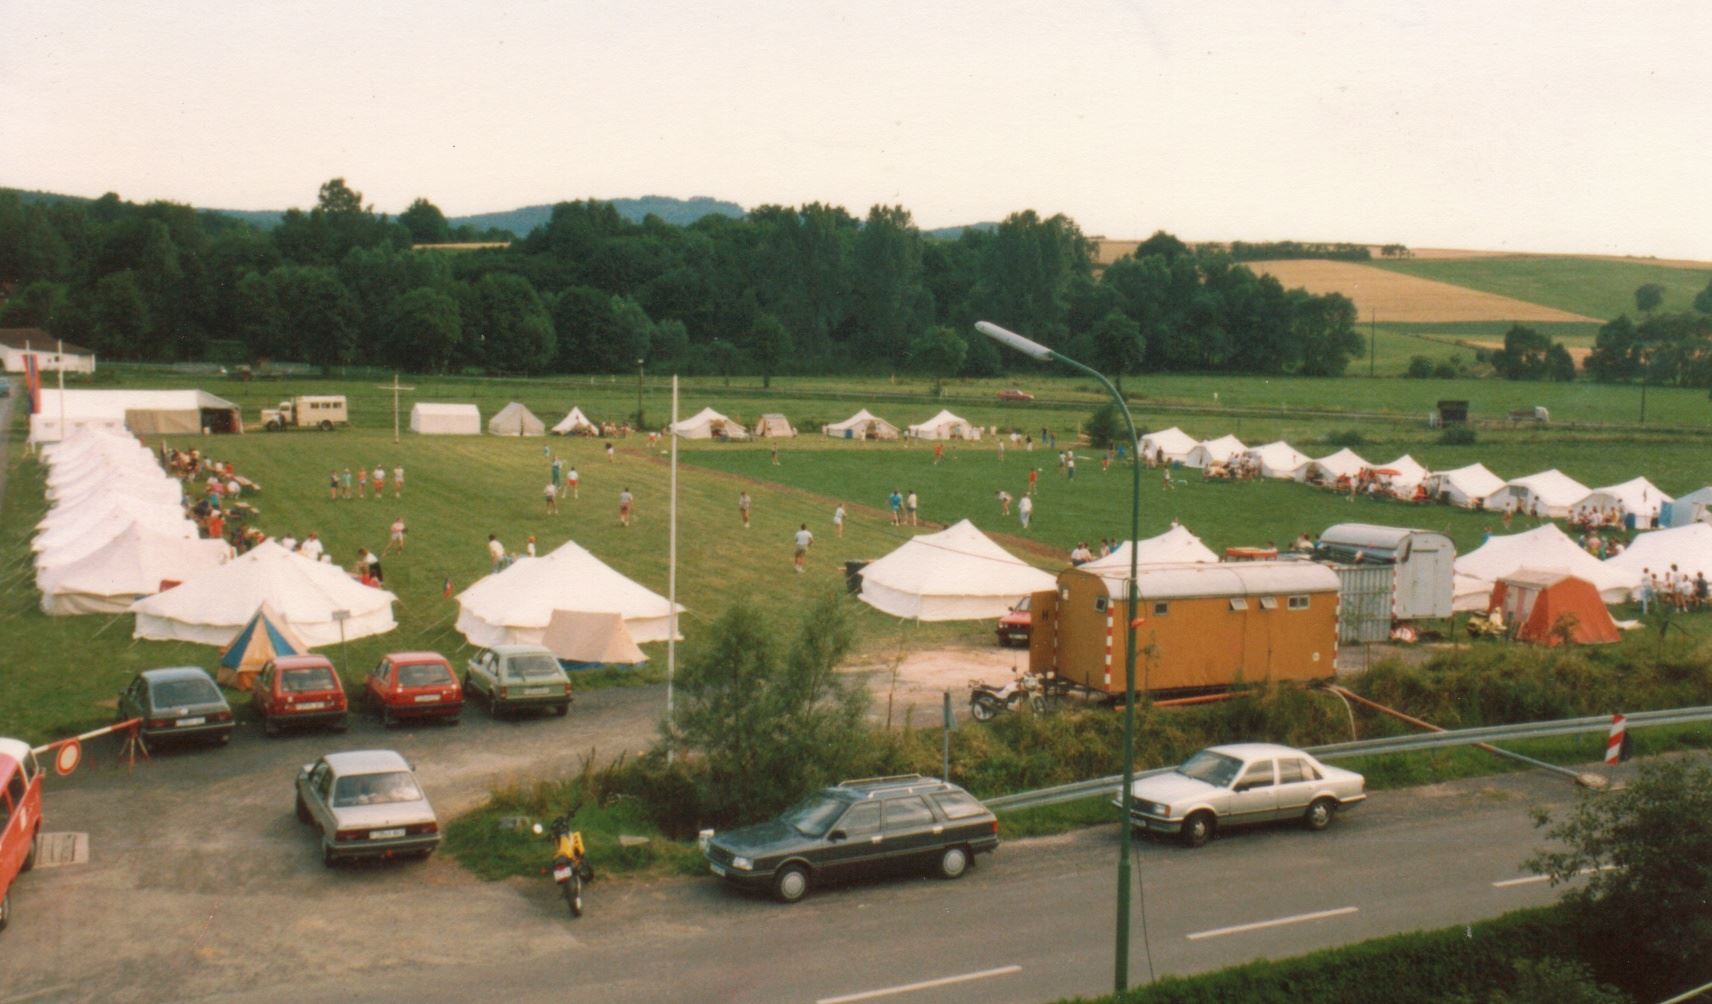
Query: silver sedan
{"type": "Point", "coordinates": [366, 804]}
{"type": "Point", "coordinates": [1242, 784]}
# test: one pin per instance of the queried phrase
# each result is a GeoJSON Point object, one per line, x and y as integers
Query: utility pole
{"type": "Point", "coordinates": [1372, 339]}
{"type": "Point", "coordinates": [396, 387]}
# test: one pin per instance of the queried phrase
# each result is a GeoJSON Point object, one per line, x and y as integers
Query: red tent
{"type": "Point", "coordinates": [1550, 608]}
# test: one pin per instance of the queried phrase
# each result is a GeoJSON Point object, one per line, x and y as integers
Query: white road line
{"type": "Point", "coordinates": [943, 981]}
{"type": "Point", "coordinates": [1281, 921]}
{"type": "Point", "coordinates": [1535, 879]}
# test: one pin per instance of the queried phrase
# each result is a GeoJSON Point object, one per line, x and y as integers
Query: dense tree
{"type": "Point", "coordinates": [771, 344]}
{"type": "Point", "coordinates": [35, 306]}
{"type": "Point", "coordinates": [1560, 366]}
{"type": "Point", "coordinates": [1703, 299]}
{"type": "Point", "coordinates": [1524, 354]}
{"type": "Point", "coordinates": [256, 317]}
{"type": "Point", "coordinates": [320, 317]}
{"type": "Point", "coordinates": [1616, 353]}
{"type": "Point", "coordinates": [1325, 331]}
{"type": "Point", "coordinates": [423, 329]}
{"type": "Point", "coordinates": [1118, 346]}
{"type": "Point", "coordinates": [939, 353]}
{"type": "Point", "coordinates": [511, 325]}
{"type": "Point", "coordinates": [1648, 297]}
{"type": "Point", "coordinates": [120, 317]}
{"type": "Point", "coordinates": [890, 302]}
{"type": "Point", "coordinates": [1026, 271]}
{"type": "Point", "coordinates": [427, 225]}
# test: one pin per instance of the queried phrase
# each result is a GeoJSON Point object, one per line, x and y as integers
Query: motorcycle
{"type": "Point", "coordinates": [986, 700]}
{"type": "Point", "coordinates": [571, 869]}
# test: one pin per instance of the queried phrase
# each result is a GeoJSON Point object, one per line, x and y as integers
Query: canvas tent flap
{"type": "Point", "coordinates": [591, 638]}
{"type": "Point", "coordinates": [263, 637]}
{"type": "Point", "coordinates": [515, 420]}
{"type": "Point", "coordinates": [956, 574]}
{"type": "Point", "coordinates": [1552, 608]}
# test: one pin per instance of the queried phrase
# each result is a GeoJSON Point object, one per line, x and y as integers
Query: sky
{"type": "Point", "coordinates": [1561, 127]}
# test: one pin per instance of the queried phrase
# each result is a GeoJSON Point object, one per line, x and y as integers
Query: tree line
{"type": "Point", "coordinates": [804, 289]}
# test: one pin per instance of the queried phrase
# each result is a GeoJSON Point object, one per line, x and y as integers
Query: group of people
{"type": "Point", "coordinates": [347, 484]}
{"type": "Point", "coordinates": [562, 480]}
{"type": "Point", "coordinates": [1675, 589]}
{"type": "Point", "coordinates": [1081, 554]}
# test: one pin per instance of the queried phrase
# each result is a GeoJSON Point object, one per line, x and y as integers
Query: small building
{"type": "Point", "coordinates": [51, 354]}
{"type": "Point", "coordinates": [441, 419]}
{"type": "Point", "coordinates": [1552, 608]}
{"type": "Point", "coordinates": [1415, 584]}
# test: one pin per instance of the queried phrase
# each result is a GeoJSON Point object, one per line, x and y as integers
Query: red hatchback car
{"type": "Point", "coordinates": [297, 690]}
{"type": "Point", "coordinates": [414, 685]}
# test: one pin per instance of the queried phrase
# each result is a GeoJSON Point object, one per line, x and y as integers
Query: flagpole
{"type": "Point", "coordinates": [672, 567]}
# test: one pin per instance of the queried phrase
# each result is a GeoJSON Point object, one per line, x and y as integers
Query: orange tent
{"type": "Point", "coordinates": [1551, 608]}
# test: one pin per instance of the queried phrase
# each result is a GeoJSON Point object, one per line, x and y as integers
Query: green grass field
{"type": "Point", "coordinates": [1586, 286]}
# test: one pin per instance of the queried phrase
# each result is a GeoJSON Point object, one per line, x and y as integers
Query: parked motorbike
{"type": "Point", "coordinates": [571, 869]}
{"type": "Point", "coordinates": [986, 700]}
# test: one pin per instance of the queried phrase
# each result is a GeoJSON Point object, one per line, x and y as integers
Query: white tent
{"type": "Point", "coordinates": [1214, 451]}
{"type": "Point", "coordinates": [517, 604]}
{"type": "Point", "coordinates": [1466, 487]}
{"type": "Point", "coordinates": [594, 639]}
{"type": "Point", "coordinates": [63, 550]}
{"type": "Point", "coordinates": [953, 575]}
{"type": "Point", "coordinates": [1548, 493]}
{"type": "Point", "coordinates": [1688, 547]}
{"type": "Point", "coordinates": [98, 509]}
{"type": "Point", "coordinates": [1543, 549]}
{"type": "Point", "coordinates": [1639, 498]}
{"type": "Point", "coordinates": [709, 424]}
{"type": "Point", "coordinates": [515, 420]}
{"type": "Point", "coordinates": [158, 489]}
{"type": "Point", "coordinates": [144, 412]}
{"type": "Point", "coordinates": [944, 425]}
{"type": "Point", "coordinates": [1695, 507]}
{"type": "Point", "coordinates": [1277, 460]}
{"type": "Point", "coordinates": [86, 478]}
{"type": "Point", "coordinates": [214, 606]}
{"type": "Point", "coordinates": [575, 423]}
{"type": "Point", "coordinates": [774, 425]}
{"type": "Point", "coordinates": [1345, 463]}
{"type": "Point", "coordinates": [440, 419]}
{"type": "Point", "coordinates": [1410, 473]}
{"type": "Point", "coordinates": [1176, 546]}
{"type": "Point", "coordinates": [862, 425]}
{"type": "Point", "coordinates": [1174, 442]}
{"type": "Point", "coordinates": [107, 460]}
{"type": "Point", "coordinates": [131, 565]}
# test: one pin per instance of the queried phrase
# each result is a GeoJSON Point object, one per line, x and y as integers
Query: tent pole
{"type": "Point", "coordinates": [671, 563]}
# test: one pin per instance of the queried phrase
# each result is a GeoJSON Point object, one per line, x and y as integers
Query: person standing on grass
{"type": "Point", "coordinates": [394, 543]}
{"type": "Point", "coordinates": [332, 486]}
{"type": "Point", "coordinates": [610, 454]}
{"type": "Point", "coordinates": [398, 481]}
{"type": "Point", "coordinates": [1001, 450]}
{"type": "Point", "coordinates": [572, 480]}
{"type": "Point", "coordinates": [529, 546]}
{"type": "Point", "coordinates": [1004, 498]}
{"type": "Point", "coordinates": [557, 472]}
{"type": "Point", "coordinates": [838, 520]}
{"type": "Point", "coordinates": [495, 552]}
{"type": "Point", "coordinates": [377, 480]}
{"type": "Point", "coordinates": [362, 483]}
{"type": "Point", "coordinates": [625, 501]}
{"type": "Point", "coordinates": [938, 452]}
{"type": "Point", "coordinates": [896, 502]}
{"type": "Point", "coordinates": [1070, 465]}
{"type": "Point", "coordinates": [743, 508]}
{"type": "Point", "coordinates": [910, 504]}
{"type": "Point", "coordinates": [1033, 477]}
{"type": "Point", "coordinates": [345, 482]}
{"type": "Point", "coordinates": [551, 494]}
{"type": "Point", "coordinates": [1025, 510]}
{"type": "Point", "coordinates": [775, 462]}
{"type": "Point", "coordinates": [803, 539]}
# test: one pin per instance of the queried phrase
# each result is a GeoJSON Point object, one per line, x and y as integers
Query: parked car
{"type": "Point", "coordinates": [1014, 626]}
{"type": "Point", "coordinates": [294, 691]}
{"type": "Point", "coordinates": [1015, 394]}
{"type": "Point", "coordinates": [510, 677]}
{"type": "Point", "coordinates": [180, 702]}
{"type": "Point", "coordinates": [855, 828]}
{"type": "Point", "coordinates": [20, 817]}
{"type": "Point", "coordinates": [406, 685]}
{"type": "Point", "coordinates": [1242, 784]}
{"type": "Point", "coordinates": [366, 804]}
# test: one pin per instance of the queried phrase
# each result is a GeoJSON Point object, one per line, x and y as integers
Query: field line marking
{"type": "Point", "coordinates": [1281, 921]}
{"type": "Point", "coordinates": [943, 981]}
{"type": "Point", "coordinates": [1532, 879]}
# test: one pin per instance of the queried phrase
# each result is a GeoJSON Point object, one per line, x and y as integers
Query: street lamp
{"type": "Point", "coordinates": [1035, 350]}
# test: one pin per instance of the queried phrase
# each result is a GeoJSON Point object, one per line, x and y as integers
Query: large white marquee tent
{"type": "Point", "coordinates": [1167, 444]}
{"type": "Point", "coordinates": [517, 605]}
{"type": "Point", "coordinates": [1465, 487]}
{"type": "Point", "coordinates": [1542, 549]}
{"type": "Point", "coordinates": [128, 566]}
{"type": "Point", "coordinates": [1637, 497]}
{"type": "Point", "coordinates": [1345, 463]}
{"type": "Point", "coordinates": [955, 574]}
{"type": "Point", "coordinates": [1277, 460]}
{"type": "Point", "coordinates": [515, 419]}
{"type": "Point", "coordinates": [862, 425]}
{"type": "Point", "coordinates": [1176, 546]}
{"type": "Point", "coordinates": [944, 425]}
{"type": "Point", "coordinates": [1214, 451]}
{"type": "Point", "coordinates": [1549, 493]}
{"type": "Point", "coordinates": [1689, 548]}
{"type": "Point", "coordinates": [709, 424]}
{"type": "Point", "coordinates": [575, 423]}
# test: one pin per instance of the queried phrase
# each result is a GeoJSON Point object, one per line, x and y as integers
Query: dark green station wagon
{"type": "Point", "coordinates": [857, 828]}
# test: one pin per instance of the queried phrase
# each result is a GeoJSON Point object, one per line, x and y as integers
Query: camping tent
{"type": "Point", "coordinates": [1214, 451]}
{"type": "Point", "coordinates": [575, 423]}
{"type": "Point", "coordinates": [1638, 497]}
{"type": "Point", "coordinates": [264, 637]}
{"type": "Point", "coordinates": [774, 425]}
{"type": "Point", "coordinates": [440, 419]}
{"type": "Point", "coordinates": [106, 461]}
{"type": "Point", "coordinates": [61, 549]}
{"type": "Point", "coordinates": [1549, 608]}
{"type": "Point", "coordinates": [1176, 546]}
{"type": "Point", "coordinates": [132, 564]}
{"type": "Point", "coordinates": [143, 412]}
{"type": "Point", "coordinates": [160, 490]}
{"type": "Point", "coordinates": [1466, 487]}
{"type": "Point", "coordinates": [1345, 463]}
{"type": "Point", "coordinates": [944, 425]}
{"type": "Point", "coordinates": [1695, 507]}
{"type": "Point", "coordinates": [1548, 493]}
{"type": "Point", "coordinates": [955, 574]}
{"type": "Point", "coordinates": [1173, 443]}
{"type": "Point", "coordinates": [71, 524]}
{"type": "Point", "coordinates": [1277, 460]}
{"type": "Point", "coordinates": [515, 420]}
{"type": "Point", "coordinates": [213, 607]}
{"type": "Point", "coordinates": [1544, 548]}
{"type": "Point", "coordinates": [587, 638]}
{"type": "Point", "coordinates": [517, 604]}
{"type": "Point", "coordinates": [862, 425]}
{"type": "Point", "coordinates": [1687, 547]}
{"type": "Point", "coordinates": [1408, 472]}
{"type": "Point", "coordinates": [709, 424]}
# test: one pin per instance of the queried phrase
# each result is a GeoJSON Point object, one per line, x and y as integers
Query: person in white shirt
{"type": "Point", "coordinates": [288, 542]}
{"type": "Point", "coordinates": [495, 551]}
{"type": "Point", "coordinates": [311, 547]}
{"type": "Point", "coordinates": [396, 538]}
{"type": "Point", "coordinates": [1025, 510]}
{"type": "Point", "coordinates": [838, 520]}
{"type": "Point", "coordinates": [803, 539]}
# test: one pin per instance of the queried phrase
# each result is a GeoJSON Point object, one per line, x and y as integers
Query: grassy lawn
{"type": "Point", "coordinates": [1586, 286]}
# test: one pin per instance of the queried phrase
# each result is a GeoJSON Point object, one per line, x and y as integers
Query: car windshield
{"type": "Point", "coordinates": [375, 789]}
{"type": "Point", "coordinates": [176, 693]}
{"type": "Point", "coordinates": [1214, 768]}
{"type": "Point", "coordinates": [1022, 608]}
{"type": "Point", "coordinates": [296, 681]}
{"type": "Point", "coordinates": [426, 674]}
{"type": "Point", "coordinates": [811, 817]}
{"type": "Point", "coordinates": [532, 667]}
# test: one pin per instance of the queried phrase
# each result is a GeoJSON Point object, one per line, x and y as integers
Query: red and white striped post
{"type": "Point", "coordinates": [1617, 740]}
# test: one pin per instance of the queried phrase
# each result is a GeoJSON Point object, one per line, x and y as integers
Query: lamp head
{"type": "Point", "coordinates": [1011, 339]}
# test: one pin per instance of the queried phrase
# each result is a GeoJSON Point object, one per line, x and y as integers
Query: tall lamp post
{"type": "Point", "coordinates": [1035, 350]}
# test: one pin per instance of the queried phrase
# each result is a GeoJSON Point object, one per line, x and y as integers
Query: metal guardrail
{"type": "Point", "coordinates": [1372, 747]}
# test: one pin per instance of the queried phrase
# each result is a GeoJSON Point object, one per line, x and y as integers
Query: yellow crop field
{"type": "Point", "coordinates": [1406, 299]}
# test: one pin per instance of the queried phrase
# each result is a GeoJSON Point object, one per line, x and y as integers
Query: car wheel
{"type": "Point", "coordinates": [302, 810]}
{"type": "Point", "coordinates": [1197, 829]}
{"type": "Point", "coordinates": [791, 884]}
{"type": "Point", "coordinates": [326, 426]}
{"type": "Point", "coordinates": [30, 858]}
{"type": "Point", "coordinates": [327, 858]}
{"type": "Point", "coordinates": [953, 863]}
{"type": "Point", "coordinates": [274, 425]}
{"type": "Point", "coordinates": [562, 710]}
{"type": "Point", "coordinates": [342, 723]}
{"type": "Point", "coordinates": [1319, 815]}
{"type": "Point", "coordinates": [983, 708]}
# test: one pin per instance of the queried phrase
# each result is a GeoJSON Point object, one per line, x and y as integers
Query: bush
{"type": "Point", "coordinates": [1448, 369]}
{"type": "Point", "coordinates": [1105, 427]}
{"type": "Point", "coordinates": [1457, 435]}
{"type": "Point", "coordinates": [1347, 437]}
{"type": "Point", "coordinates": [1420, 368]}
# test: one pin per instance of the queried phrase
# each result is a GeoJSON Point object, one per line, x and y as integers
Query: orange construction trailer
{"type": "Point", "coordinates": [1202, 627]}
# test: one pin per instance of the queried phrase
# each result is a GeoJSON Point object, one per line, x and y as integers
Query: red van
{"type": "Point", "coordinates": [20, 817]}
{"type": "Point", "coordinates": [299, 690]}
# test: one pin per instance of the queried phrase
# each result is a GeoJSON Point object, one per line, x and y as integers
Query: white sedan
{"type": "Point", "coordinates": [366, 804]}
{"type": "Point", "coordinates": [1242, 784]}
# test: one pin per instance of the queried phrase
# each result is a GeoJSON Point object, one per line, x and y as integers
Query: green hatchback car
{"type": "Point", "coordinates": [514, 677]}
{"type": "Point", "coordinates": [857, 828]}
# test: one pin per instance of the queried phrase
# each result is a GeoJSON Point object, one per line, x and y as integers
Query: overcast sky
{"type": "Point", "coordinates": [1559, 126]}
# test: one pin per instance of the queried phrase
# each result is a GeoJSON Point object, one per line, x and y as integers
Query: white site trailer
{"type": "Point", "coordinates": [1420, 563]}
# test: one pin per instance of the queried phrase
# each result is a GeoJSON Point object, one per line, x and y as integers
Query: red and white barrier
{"type": "Point", "coordinates": [1617, 740]}
{"type": "Point", "coordinates": [68, 753]}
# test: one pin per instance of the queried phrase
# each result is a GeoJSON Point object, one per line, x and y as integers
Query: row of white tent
{"type": "Point", "coordinates": [710, 424]}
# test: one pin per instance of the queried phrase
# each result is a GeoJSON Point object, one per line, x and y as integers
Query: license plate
{"type": "Point", "coordinates": [182, 722]}
{"type": "Point", "coordinates": [386, 834]}
{"type": "Point", "coordinates": [562, 874]}
{"type": "Point", "coordinates": [535, 691]}
{"type": "Point", "coordinates": [312, 705]}
{"type": "Point", "coordinates": [718, 870]}
{"type": "Point", "coordinates": [427, 698]}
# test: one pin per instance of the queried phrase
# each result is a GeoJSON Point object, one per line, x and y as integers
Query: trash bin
{"type": "Point", "coordinates": [853, 575]}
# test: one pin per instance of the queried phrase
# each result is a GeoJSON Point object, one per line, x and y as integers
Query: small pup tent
{"type": "Point", "coordinates": [1176, 546]}
{"type": "Point", "coordinates": [774, 425]}
{"type": "Point", "coordinates": [1552, 608]}
{"type": "Point", "coordinates": [1171, 444]}
{"type": "Point", "coordinates": [1345, 463]}
{"type": "Point", "coordinates": [515, 420]}
{"type": "Point", "coordinates": [1465, 487]}
{"type": "Point", "coordinates": [575, 423]}
{"type": "Point", "coordinates": [1277, 460]}
{"type": "Point", "coordinates": [440, 419]}
{"type": "Point", "coordinates": [263, 638]}
{"type": "Point", "coordinates": [709, 424]}
{"type": "Point", "coordinates": [944, 425]}
{"type": "Point", "coordinates": [588, 638]}
{"type": "Point", "coordinates": [1214, 451]}
{"type": "Point", "coordinates": [862, 425]}
{"type": "Point", "coordinates": [1549, 493]}
{"type": "Point", "coordinates": [953, 575]}
{"type": "Point", "coordinates": [1638, 497]}
{"type": "Point", "coordinates": [516, 606]}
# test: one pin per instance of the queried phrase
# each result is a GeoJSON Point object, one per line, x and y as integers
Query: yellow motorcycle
{"type": "Point", "coordinates": [571, 869]}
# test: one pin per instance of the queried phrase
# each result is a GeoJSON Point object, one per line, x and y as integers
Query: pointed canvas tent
{"type": "Point", "coordinates": [262, 638]}
{"type": "Point", "coordinates": [862, 425]}
{"type": "Point", "coordinates": [104, 516]}
{"type": "Point", "coordinates": [586, 638]}
{"type": "Point", "coordinates": [1548, 493]}
{"type": "Point", "coordinates": [132, 564]}
{"type": "Point", "coordinates": [1544, 548]}
{"type": "Point", "coordinates": [1345, 463]}
{"type": "Point", "coordinates": [709, 424]}
{"type": "Point", "coordinates": [213, 607]}
{"type": "Point", "coordinates": [109, 535]}
{"type": "Point", "coordinates": [1174, 443]}
{"type": "Point", "coordinates": [1176, 546]}
{"type": "Point", "coordinates": [142, 487]}
{"type": "Point", "coordinates": [1465, 487]}
{"type": "Point", "coordinates": [944, 425]}
{"type": "Point", "coordinates": [1277, 460]}
{"type": "Point", "coordinates": [1214, 451]}
{"type": "Point", "coordinates": [515, 420]}
{"type": "Point", "coordinates": [1409, 473]}
{"type": "Point", "coordinates": [1638, 497]}
{"type": "Point", "coordinates": [955, 574]}
{"type": "Point", "coordinates": [575, 423]}
{"type": "Point", "coordinates": [775, 426]}
{"type": "Point", "coordinates": [1688, 547]}
{"type": "Point", "coordinates": [517, 604]}
{"type": "Point", "coordinates": [1695, 507]}
{"type": "Point", "coordinates": [430, 418]}
{"type": "Point", "coordinates": [1549, 608]}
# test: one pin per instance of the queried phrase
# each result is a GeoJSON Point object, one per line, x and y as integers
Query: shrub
{"type": "Point", "coordinates": [1347, 437]}
{"type": "Point", "coordinates": [1448, 369]}
{"type": "Point", "coordinates": [1420, 367]}
{"type": "Point", "coordinates": [1105, 427]}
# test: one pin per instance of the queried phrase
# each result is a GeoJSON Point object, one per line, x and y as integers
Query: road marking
{"type": "Point", "coordinates": [1281, 921]}
{"type": "Point", "coordinates": [1533, 879]}
{"type": "Point", "coordinates": [943, 981]}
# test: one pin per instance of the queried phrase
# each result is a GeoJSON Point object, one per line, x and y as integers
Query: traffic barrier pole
{"type": "Point", "coordinates": [1616, 744]}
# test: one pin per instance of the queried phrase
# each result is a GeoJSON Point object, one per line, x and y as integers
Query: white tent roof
{"type": "Point", "coordinates": [1689, 548]}
{"type": "Point", "coordinates": [955, 574]}
{"type": "Point", "coordinates": [515, 420]}
{"type": "Point", "coordinates": [1410, 472]}
{"type": "Point", "coordinates": [941, 426]}
{"type": "Point", "coordinates": [1556, 490]}
{"type": "Point", "coordinates": [159, 489]}
{"type": "Point", "coordinates": [64, 550]}
{"type": "Point", "coordinates": [1638, 496]}
{"type": "Point", "coordinates": [1345, 463]}
{"type": "Point", "coordinates": [1543, 549]}
{"type": "Point", "coordinates": [1278, 460]}
{"type": "Point", "coordinates": [1465, 483]}
{"type": "Point", "coordinates": [857, 424]}
{"type": "Point", "coordinates": [212, 607]}
{"type": "Point", "coordinates": [517, 604]}
{"type": "Point", "coordinates": [87, 477]}
{"type": "Point", "coordinates": [1214, 451]}
{"type": "Point", "coordinates": [574, 420]}
{"type": "Point", "coordinates": [84, 408]}
{"type": "Point", "coordinates": [1176, 546]}
{"type": "Point", "coordinates": [131, 564]}
{"type": "Point", "coordinates": [1174, 441]}
{"type": "Point", "coordinates": [122, 457]}
{"type": "Point", "coordinates": [107, 508]}
{"type": "Point", "coordinates": [702, 423]}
